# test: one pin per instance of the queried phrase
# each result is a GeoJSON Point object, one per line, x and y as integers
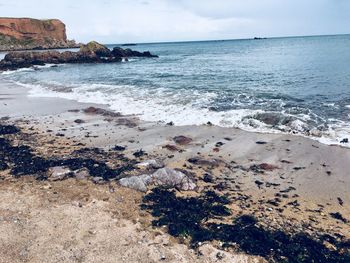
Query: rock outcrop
{"type": "Point", "coordinates": [28, 33]}
{"type": "Point", "coordinates": [92, 52]}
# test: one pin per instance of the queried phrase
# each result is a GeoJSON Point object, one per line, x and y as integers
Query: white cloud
{"type": "Point", "coordinates": [170, 20]}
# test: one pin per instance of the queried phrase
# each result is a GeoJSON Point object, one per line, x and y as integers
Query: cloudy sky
{"type": "Point", "coordinates": [117, 21]}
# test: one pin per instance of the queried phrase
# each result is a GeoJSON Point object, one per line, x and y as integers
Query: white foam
{"type": "Point", "coordinates": [183, 108]}
{"type": "Point", "coordinates": [9, 72]}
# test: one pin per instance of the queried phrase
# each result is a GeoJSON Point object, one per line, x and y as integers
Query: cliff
{"type": "Point", "coordinates": [28, 33]}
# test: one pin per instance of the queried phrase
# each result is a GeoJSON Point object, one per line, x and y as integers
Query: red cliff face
{"type": "Point", "coordinates": [27, 33]}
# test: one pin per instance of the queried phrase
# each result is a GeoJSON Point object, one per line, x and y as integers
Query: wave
{"type": "Point", "coordinates": [186, 108]}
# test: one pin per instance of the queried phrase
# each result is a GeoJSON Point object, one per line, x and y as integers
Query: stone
{"type": "Point", "coordinates": [171, 178]}
{"type": "Point", "coordinates": [182, 140]}
{"type": "Point", "coordinates": [205, 162]}
{"type": "Point", "coordinates": [138, 183]}
{"type": "Point", "coordinates": [58, 173]}
{"type": "Point", "coordinates": [166, 177]}
{"type": "Point", "coordinates": [82, 174]}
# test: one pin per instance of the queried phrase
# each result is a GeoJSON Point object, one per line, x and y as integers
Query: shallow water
{"type": "Point", "coordinates": [294, 85]}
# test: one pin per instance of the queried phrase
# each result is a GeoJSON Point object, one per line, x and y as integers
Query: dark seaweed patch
{"type": "Point", "coordinates": [8, 129]}
{"type": "Point", "coordinates": [23, 162]}
{"type": "Point", "coordinates": [191, 217]}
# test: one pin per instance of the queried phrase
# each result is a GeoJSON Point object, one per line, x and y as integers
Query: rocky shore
{"type": "Point", "coordinates": [92, 52]}
{"type": "Point", "coordinates": [212, 194]}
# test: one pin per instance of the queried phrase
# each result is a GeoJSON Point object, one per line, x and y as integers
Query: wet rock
{"type": "Point", "coordinates": [79, 121]}
{"type": "Point", "coordinates": [182, 140]}
{"type": "Point", "coordinates": [345, 140]}
{"type": "Point", "coordinates": [122, 53]}
{"type": "Point", "coordinates": [172, 148]}
{"type": "Point", "coordinates": [261, 142]}
{"type": "Point", "coordinates": [219, 144]}
{"type": "Point", "coordinates": [259, 183]}
{"type": "Point", "coordinates": [58, 173]}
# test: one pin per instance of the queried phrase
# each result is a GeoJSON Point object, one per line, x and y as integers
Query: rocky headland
{"type": "Point", "coordinates": [29, 33]}
{"type": "Point", "coordinates": [92, 52]}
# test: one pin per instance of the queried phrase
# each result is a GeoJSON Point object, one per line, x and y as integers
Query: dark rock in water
{"type": "Point", "coordinates": [120, 52]}
{"type": "Point", "coordinates": [79, 121]}
{"type": "Point", "coordinates": [170, 123]}
{"type": "Point", "coordinates": [261, 142]}
{"type": "Point", "coordinates": [339, 216]}
{"type": "Point", "coordinates": [92, 52]}
{"type": "Point", "coordinates": [182, 140]}
{"type": "Point", "coordinates": [345, 140]}
{"type": "Point", "coordinates": [197, 218]}
{"type": "Point", "coordinates": [8, 129]}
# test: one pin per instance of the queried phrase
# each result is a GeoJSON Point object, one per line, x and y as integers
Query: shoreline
{"type": "Point", "coordinates": [287, 182]}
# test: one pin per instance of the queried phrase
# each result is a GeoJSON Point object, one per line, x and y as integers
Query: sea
{"type": "Point", "coordinates": [293, 85]}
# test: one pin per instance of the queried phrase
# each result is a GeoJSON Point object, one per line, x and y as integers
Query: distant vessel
{"type": "Point", "coordinates": [259, 38]}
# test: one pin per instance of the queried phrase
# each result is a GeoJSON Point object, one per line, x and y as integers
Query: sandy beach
{"type": "Point", "coordinates": [288, 183]}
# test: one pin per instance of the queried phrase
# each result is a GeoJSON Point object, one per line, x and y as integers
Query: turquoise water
{"type": "Point", "coordinates": [295, 85]}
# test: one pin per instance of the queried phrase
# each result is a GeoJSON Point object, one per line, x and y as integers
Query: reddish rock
{"type": "Point", "coordinates": [28, 33]}
{"type": "Point", "coordinates": [182, 140]}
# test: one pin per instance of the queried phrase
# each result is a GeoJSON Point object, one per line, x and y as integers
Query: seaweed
{"type": "Point", "coordinates": [192, 217]}
{"type": "Point", "coordinates": [8, 129]}
{"type": "Point", "coordinates": [24, 162]}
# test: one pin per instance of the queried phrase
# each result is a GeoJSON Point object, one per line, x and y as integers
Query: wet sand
{"type": "Point", "coordinates": [287, 182]}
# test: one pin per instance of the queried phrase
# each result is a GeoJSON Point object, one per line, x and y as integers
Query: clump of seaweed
{"type": "Point", "coordinates": [193, 217]}
{"type": "Point", "coordinates": [22, 161]}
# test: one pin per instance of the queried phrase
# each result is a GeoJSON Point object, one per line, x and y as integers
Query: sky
{"type": "Point", "coordinates": [121, 21]}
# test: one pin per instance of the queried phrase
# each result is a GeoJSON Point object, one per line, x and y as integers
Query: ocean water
{"type": "Point", "coordinates": [297, 85]}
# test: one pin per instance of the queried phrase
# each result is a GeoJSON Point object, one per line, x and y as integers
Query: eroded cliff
{"type": "Point", "coordinates": [28, 33]}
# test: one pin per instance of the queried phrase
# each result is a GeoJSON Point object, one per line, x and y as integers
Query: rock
{"type": "Point", "coordinates": [345, 140]}
{"type": "Point", "coordinates": [171, 147]}
{"type": "Point", "coordinates": [125, 53]}
{"type": "Point", "coordinates": [79, 121]}
{"type": "Point", "coordinates": [92, 52]}
{"type": "Point", "coordinates": [82, 174]}
{"type": "Point", "coordinates": [59, 173]}
{"type": "Point", "coordinates": [208, 178]}
{"type": "Point", "coordinates": [95, 48]}
{"type": "Point", "coordinates": [153, 164]}
{"type": "Point", "coordinates": [182, 140]}
{"type": "Point", "coordinates": [166, 177]}
{"type": "Point", "coordinates": [171, 178]}
{"type": "Point", "coordinates": [138, 183]}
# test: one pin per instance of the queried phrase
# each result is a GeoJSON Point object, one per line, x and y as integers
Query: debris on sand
{"type": "Point", "coordinates": [139, 153]}
{"type": "Point", "coordinates": [172, 148]}
{"type": "Point", "coordinates": [151, 164]}
{"type": "Point", "coordinates": [192, 218]}
{"type": "Point", "coordinates": [182, 140]}
{"type": "Point", "coordinates": [339, 216]}
{"type": "Point", "coordinates": [205, 162]}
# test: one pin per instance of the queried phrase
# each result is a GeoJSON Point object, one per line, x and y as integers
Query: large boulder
{"type": "Point", "coordinates": [94, 48]}
{"type": "Point", "coordinates": [165, 177]}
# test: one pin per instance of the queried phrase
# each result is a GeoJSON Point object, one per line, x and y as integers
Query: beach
{"type": "Point", "coordinates": [288, 183]}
